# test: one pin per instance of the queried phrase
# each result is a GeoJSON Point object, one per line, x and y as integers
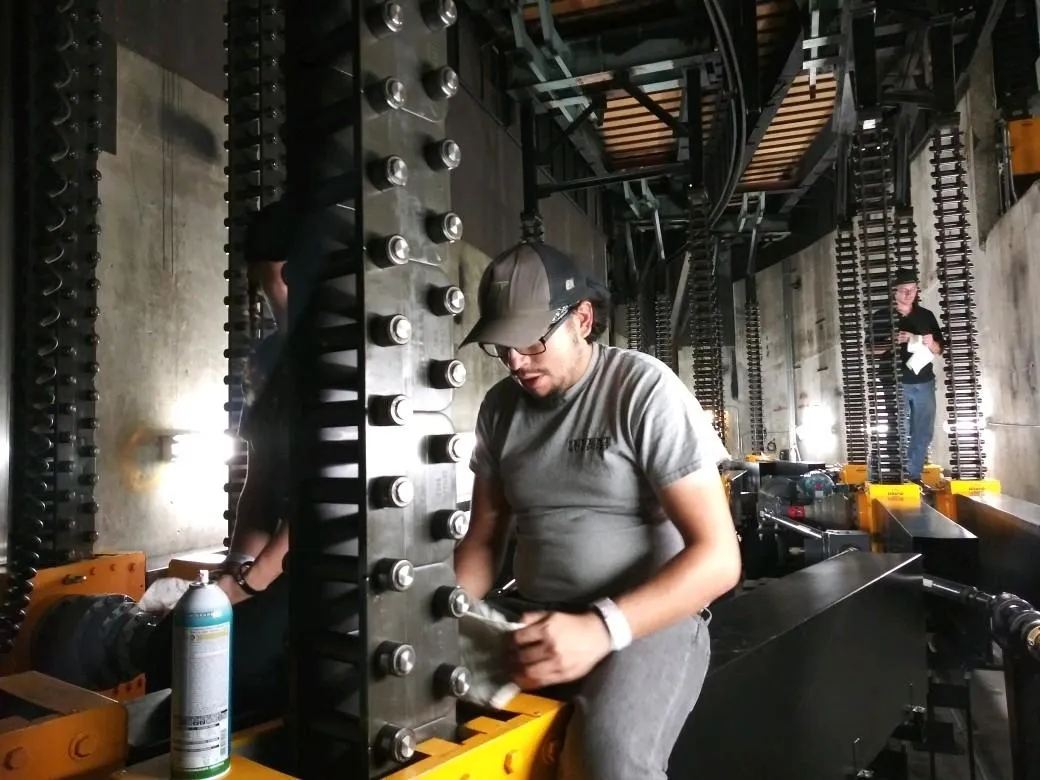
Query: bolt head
{"type": "Point", "coordinates": [456, 373]}
{"type": "Point", "coordinates": [396, 171]}
{"type": "Point", "coordinates": [451, 226]}
{"type": "Point", "coordinates": [397, 250]}
{"type": "Point", "coordinates": [460, 681]}
{"type": "Point", "coordinates": [404, 744]}
{"type": "Point", "coordinates": [401, 409]}
{"type": "Point", "coordinates": [403, 660]}
{"type": "Point", "coordinates": [393, 16]}
{"type": "Point", "coordinates": [402, 491]}
{"type": "Point", "coordinates": [455, 300]}
{"type": "Point", "coordinates": [459, 602]}
{"type": "Point", "coordinates": [400, 329]}
{"type": "Point", "coordinates": [402, 575]}
{"type": "Point", "coordinates": [458, 524]}
{"type": "Point", "coordinates": [451, 153]}
{"type": "Point", "coordinates": [393, 94]}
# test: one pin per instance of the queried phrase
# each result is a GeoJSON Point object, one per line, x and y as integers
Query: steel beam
{"type": "Point", "coordinates": [859, 611]}
{"type": "Point", "coordinates": [588, 144]}
{"type": "Point", "coordinates": [617, 177]}
{"type": "Point", "coordinates": [780, 85]}
{"type": "Point", "coordinates": [944, 69]}
{"type": "Point", "coordinates": [373, 597]}
{"type": "Point", "coordinates": [589, 67]}
{"type": "Point", "coordinates": [651, 105]}
{"type": "Point", "coordinates": [864, 55]}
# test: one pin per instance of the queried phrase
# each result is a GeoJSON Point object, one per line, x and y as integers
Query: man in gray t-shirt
{"type": "Point", "coordinates": [604, 466]}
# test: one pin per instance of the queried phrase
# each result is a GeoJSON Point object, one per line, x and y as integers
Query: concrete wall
{"type": "Point", "coordinates": [795, 297]}
{"type": "Point", "coordinates": [161, 298]}
{"type": "Point", "coordinates": [1006, 289]}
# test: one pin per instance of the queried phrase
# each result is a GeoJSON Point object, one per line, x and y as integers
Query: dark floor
{"type": "Point", "coordinates": [990, 727]}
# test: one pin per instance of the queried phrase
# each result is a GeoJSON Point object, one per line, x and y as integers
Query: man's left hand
{"type": "Point", "coordinates": [927, 340]}
{"type": "Point", "coordinates": [554, 648]}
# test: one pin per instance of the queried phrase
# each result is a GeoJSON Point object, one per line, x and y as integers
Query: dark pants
{"type": "Point", "coordinates": [919, 407]}
{"type": "Point", "coordinates": [259, 661]}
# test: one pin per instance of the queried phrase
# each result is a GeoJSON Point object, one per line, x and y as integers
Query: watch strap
{"type": "Point", "coordinates": [239, 573]}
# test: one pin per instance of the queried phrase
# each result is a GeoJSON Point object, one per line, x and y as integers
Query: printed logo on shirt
{"type": "Point", "coordinates": [597, 445]}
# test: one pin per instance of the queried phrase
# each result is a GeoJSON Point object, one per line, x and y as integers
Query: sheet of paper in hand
{"type": "Point", "coordinates": [920, 355]}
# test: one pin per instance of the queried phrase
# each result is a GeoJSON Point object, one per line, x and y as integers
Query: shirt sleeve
{"type": "Point", "coordinates": [936, 332]}
{"type": "Point", "coordinates": [484, 460]}
{"type": "Point", "coordinates": [672, 434]}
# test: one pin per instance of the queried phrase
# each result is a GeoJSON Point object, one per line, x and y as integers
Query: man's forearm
{"type": "Point", "coordinates": [249, 542]}
{"type": "Point", "coordinates": [475, 567]}
{"type": "Point", "coordinates": [255, 521]}
{"type": "Point", "coordinates": [683, 587]}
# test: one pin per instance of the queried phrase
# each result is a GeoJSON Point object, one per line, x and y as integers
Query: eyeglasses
{"type": "Point", "coordinates": [502, 353]}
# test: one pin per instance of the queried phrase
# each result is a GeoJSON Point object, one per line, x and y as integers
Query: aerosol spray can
{"type": "Point", "coordinates": [200, 716]}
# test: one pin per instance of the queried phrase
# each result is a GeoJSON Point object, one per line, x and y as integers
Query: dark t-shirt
{"type": "Point", "coordinates": [265, 423]}
{"type": "Point", "coordinates": [922, 322]}
{"type": "Point", "coordinates": [919, 321]}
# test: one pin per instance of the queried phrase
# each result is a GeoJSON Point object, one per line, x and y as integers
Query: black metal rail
{"type": "Point", "coordinates": [705, 319]}
{"type": "Point", "coordinates": [373, 523]}
{"type": "Point", "coordinates": [634, 318]}
{"type": "Point", "coordinates": [872, 171]}
{"type": "Point", "coordinates": [664, 345]}
{"type": "Point", "coordinates": [57, 92]}
{"type": "Point", "coordinates": [850, 325]}
{"type": "Point", "coordinates": [753, 351]}
{"type": "Point", "coordinates": [957, 297]}
{"type": "Point", "coordinates": [255, 172]}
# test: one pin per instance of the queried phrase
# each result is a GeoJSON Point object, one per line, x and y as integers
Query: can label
{"type": "Point", "coordinates": [200, 742]}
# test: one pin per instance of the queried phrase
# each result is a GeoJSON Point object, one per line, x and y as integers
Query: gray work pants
{"type": "Point", "coordinates": [629, 710]}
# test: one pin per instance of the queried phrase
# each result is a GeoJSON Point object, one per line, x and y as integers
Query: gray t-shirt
{"type": "Point", "coordinates": [580, 473]}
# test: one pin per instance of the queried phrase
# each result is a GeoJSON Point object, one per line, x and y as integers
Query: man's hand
{"type": "Point", "coordinates": [555, 648]}
{"type": "Point", "coordinates": [903, 337]}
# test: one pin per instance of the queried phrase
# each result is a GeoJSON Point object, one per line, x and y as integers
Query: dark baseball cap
{"type": "Point", "coordinates": [904, 276]}
{"type": "Point", "coordinates": [525, 290]}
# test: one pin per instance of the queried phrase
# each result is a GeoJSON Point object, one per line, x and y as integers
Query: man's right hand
{"type": "Point", "coordinates": [903, 337]}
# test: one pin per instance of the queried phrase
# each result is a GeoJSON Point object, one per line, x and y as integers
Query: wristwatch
{"type": "Point", "coordinates": [239, 573]}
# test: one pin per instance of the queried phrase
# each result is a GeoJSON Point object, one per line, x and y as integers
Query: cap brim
{"type": "Point", "coordinates": [517, 331]}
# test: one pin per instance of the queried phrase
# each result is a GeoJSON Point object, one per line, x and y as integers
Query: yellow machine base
{"type": "Point", "coordinates": [525, 744]}
{"type": "Point", "coordinates": [122, 573]}
{"type": "Point", "coordinates": [906, 496]}
{"type": "Point", "coordinates": [946, 498]}
{"type": "Point", "coordinates": [854, 474]}
{"type": "Point", "coordinates": [55, 730]}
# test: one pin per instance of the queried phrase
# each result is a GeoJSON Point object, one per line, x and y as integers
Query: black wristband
{"type": "Point", "coordinates": [239, 573]}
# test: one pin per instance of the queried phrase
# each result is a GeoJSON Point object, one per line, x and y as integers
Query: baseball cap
{"type": "Point", "coordinates": [904, 276]}
{"type": "Point", "coordinates": [525, 290]}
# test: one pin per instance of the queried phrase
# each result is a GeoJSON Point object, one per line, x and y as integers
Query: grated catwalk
{"type": "Point", "coordinates": [957, 296]}
{"type": "Point", "coordinates": [54, 455]}
{"type": "Point", "coordinates": [872, 172]}
{"type": "Point", "coordinates": [705, 321]}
